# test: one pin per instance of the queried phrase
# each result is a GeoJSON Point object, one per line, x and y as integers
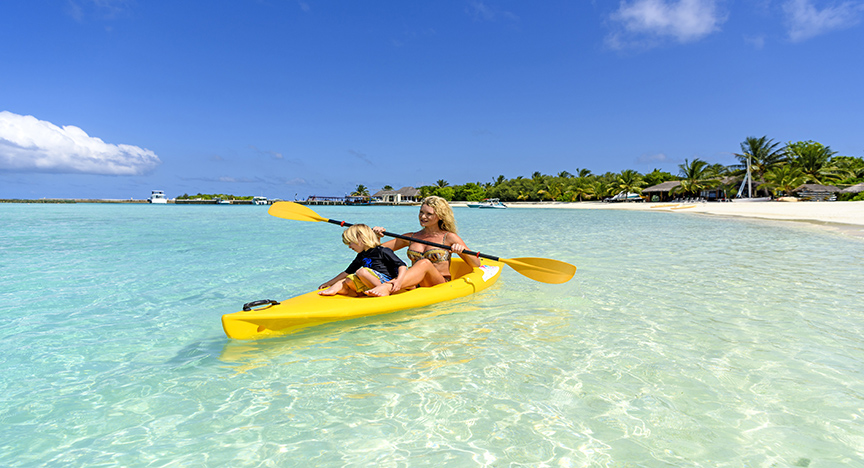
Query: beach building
{"type": "Point", "coordinates": [666, 191]}
{"type": "Point", "coordinates": [857, 188]}
{"type": "Point", "coordinates": [403, 195]}
{"type": "Point", "coordinates": [662, 191]}
{"type": "Point", "coordinates": [815, 192]}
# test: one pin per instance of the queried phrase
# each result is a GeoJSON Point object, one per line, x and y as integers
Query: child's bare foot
{"type": "Point", "coordinates": [331, 291]}
{"type": "Point", "coordinates": [381, 290]}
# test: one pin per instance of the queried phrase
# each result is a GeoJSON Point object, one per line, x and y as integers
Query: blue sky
{"type": "Point", "coordinates": [114, 98]}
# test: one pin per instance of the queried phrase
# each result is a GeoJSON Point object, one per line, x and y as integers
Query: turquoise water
{"type": "Point", "coordinates": [681, 341]}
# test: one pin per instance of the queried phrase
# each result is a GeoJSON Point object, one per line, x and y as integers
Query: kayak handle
{"type": "Point", "coordinates": [249, 305]}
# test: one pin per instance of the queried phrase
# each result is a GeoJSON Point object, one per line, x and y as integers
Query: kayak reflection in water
{"type": "Point", "coordinates": [429, 265]}
{"type": "Point", "coordinates": [372, 267]}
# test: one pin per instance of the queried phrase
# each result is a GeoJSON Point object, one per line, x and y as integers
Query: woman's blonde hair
{"type": "Point", "coordinates": [361, 234]}
{"type": "Point", "coordinates": [446, 221]}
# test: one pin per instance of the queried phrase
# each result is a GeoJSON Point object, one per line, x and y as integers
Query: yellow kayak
{"type": "Point", "coordinates": [311, 309]}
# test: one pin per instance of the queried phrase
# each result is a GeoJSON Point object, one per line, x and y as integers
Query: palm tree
{"type": "Point", "coordinates": [553, 190]}
{"type": "Point", "coordinates": [578, 189]}
{"type": "Point", "coordinates": [599, 188]}
{"type": "Point", "coordinates": [441, 183]}
{"type": "Point", "coordinates": [811, 158]}
{"type": "Point", "coordinates": [388, 188]}
{"type": "Point", "coordinates": [783, 179]}
{"type": "Point", "coordinates": [762, 154]}
{"type": "Point", "coordinates": [657, 176]}
{"type": "Point", "coordinates": [629, 181]}
{"type": "Point", "coordinates": [844, 168]}
{"type": "Point", "coordinates": [718, 170]}
{"type": "Point", "coordinates": [361, 191]}
{"type": "Point", "coordinates": [696, 177]}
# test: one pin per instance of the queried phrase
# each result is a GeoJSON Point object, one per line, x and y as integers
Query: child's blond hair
{"type": "Point", "coordinates": [361, 234]}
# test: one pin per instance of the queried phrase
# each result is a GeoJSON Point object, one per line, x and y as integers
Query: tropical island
{"type": "Point", "coordinates": [214, 196]}
{"type": "Point", "coordinates": [776, 171]}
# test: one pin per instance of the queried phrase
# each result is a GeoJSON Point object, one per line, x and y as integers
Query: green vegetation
{"type": "Point", "coordinates": [360, 191]}
{"type": "Point", "coordinates": [776, 169]}
{"type": "Point", "coordinates": [213, 196]}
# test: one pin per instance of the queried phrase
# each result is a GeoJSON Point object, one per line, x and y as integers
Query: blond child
{"type": "Point", "coordinates": [373, 266]}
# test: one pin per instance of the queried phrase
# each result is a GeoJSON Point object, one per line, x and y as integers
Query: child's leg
{"type": "Point", "coordinates": [422, 273]}
{"type": "Point", "coordinates": [344, 287]}
{"type": "Point", "coordinates": [368, 278]}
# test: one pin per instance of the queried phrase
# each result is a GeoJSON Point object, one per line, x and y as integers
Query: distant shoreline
{"type": "Point", "coordinates": [846, 216]}
{"type": "Point", "coordinates": [849, 214]}
{"type": "Point", "coordinates": [69, 200]}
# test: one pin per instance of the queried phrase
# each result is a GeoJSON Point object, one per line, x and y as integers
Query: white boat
{"type": "Point", "coordinates": [625, 196]}
{"type": "Point", "coordinates": [220, 201]}
{"type": "Point", "coordinates": [157, 196]}
{"type": "Point", "coordinates": [260, 201]}
{"type": "Point", "coordinates": [488, 203]}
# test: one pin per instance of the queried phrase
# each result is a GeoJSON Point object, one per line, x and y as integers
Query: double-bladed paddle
{"type": "Point", "coordinates": [544, 270]}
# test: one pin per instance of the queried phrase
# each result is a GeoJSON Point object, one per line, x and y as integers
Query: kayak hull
{"type": "Point", "coordinates": [310, 309]}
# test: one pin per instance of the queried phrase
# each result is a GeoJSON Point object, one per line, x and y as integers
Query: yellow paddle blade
{"type": "Point", "coordinates": [295, 211]}
{"type": "Point", "coordinates": [544, 270]}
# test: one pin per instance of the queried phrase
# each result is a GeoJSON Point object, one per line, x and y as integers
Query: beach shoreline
{"type": "Point", "coordinates": [845, 216]}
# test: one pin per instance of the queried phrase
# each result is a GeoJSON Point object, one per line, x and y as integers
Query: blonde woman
{"type": "Point", "coordinates": [429, 265]}
{"type": "Point", "coordinates": [373, 266]}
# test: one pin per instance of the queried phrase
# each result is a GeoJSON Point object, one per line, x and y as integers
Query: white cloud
{"type": "Point", "coordinates": [653, 158]}
{"type": "Point", "coordinates": [31, 145]}
{"type": "Point", "coordinates": [806, 21]}
{"type": "Point", "coordinates": [643, 22]}
{"type": "Point", "coordinates": [758, 42]}
{"type": "Point", "coordinates": [482, 12]}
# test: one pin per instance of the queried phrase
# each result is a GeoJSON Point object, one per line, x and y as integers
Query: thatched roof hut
{"type": "Point", "coordinates": [815, 192]}
{"type": "Point", "coordinates": [662, 191]}
{"type": "Point", "coordinates": [857, 188]}
{"type": "Point", "coordinates": [663, 187]}
{"type": "Point", "coordinates": [816, 188]}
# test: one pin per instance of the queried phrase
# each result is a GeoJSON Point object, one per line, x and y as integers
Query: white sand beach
{"type": "Point", "coordinates": [834, 213]}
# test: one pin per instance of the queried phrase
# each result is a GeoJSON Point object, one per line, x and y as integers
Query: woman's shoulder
{"type": "Point", "coordinates": [452, 236]}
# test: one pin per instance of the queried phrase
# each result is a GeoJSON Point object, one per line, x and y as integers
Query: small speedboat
{"type": "Point", "coordinates": [157, 196]}
{"type": "Point", "coordinates": [488, 203]}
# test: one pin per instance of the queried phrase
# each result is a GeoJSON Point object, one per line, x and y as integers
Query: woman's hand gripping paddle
{"type": "Point", "coordinates": [544, 270]}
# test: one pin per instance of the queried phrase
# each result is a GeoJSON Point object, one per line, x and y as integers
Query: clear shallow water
{"type": "Point", "coordinates": [681, 341]}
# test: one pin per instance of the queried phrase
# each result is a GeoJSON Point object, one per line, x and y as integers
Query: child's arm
{"type": "Point", "coordinates": [338, 278]}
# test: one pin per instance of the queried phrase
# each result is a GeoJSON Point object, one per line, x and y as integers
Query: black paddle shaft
{"type": "Point", "coordinates": [433, 244]}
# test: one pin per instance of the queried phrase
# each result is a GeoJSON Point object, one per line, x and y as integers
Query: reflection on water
{"type": "Point", "coordinates": [681, 341]}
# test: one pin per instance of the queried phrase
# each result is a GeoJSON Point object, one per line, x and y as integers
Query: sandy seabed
{"type": "Point", "coordinates": [845, 216]}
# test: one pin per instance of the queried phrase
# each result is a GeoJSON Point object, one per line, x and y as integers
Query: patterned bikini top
{"type": "Point", "coordinates": [434, 255]}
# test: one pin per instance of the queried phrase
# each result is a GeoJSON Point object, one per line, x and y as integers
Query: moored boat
{"type": "Point", "coordinates": [260, 201]}
{"type": "Point", "coordinates": [157, 196]}
{"type": "Point", "coordinates": [311, 309]}
{"type": "Point", "coordinates": [488, 203]}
